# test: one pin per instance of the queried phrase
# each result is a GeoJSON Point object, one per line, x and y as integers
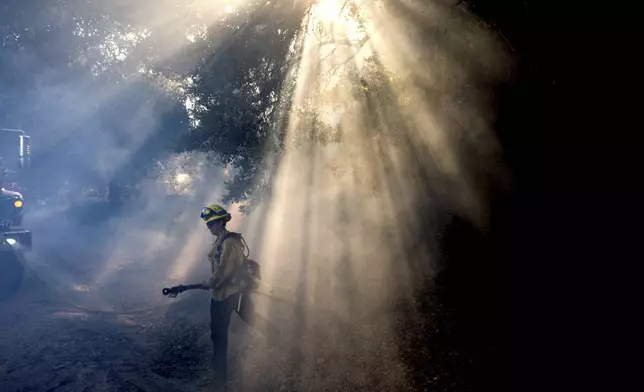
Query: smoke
{"type": "Point", "coordinates": [88, 135]}
{"type": "Point", "coordinates": [351, 229]}
{"type": "Point", "coordinates": [358, 204]}
{"type": "Point", "coordinates": [111, 208]}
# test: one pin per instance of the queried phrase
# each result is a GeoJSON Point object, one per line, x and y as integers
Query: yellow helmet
{"type": "Point", "coordinates": [213, 213]}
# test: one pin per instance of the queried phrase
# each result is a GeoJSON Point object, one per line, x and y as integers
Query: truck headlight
{"type": "Point", "coordinates": [11, 241]}
{"type": "Point", "coordinates": [18, 203]}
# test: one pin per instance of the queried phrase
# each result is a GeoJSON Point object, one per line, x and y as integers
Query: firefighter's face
{"type": "Point", "coordinates": [216, 227]}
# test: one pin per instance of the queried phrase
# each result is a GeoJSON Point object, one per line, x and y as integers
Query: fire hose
{"type": "Point", "coordinates": [60, 297]}
{"type": "Point", "coordinates": [172, 292]}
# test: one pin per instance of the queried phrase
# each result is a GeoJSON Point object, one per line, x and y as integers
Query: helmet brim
{"type": "Point", "coordinates": [214, 219]}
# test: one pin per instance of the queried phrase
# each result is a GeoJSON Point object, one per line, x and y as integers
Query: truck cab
{"type": "Point", "coordinates": [15, 147]}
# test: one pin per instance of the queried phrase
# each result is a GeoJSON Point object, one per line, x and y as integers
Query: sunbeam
{"type": "Point", "coordinates": [341, 135]}
{"type": "Point", "coordinates": [344, 230]}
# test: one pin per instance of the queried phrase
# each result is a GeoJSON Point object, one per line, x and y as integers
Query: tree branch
{"type": "Point", "coordinates": [357, 45]}
{"type": "Point", "coordinates": [231, 39]}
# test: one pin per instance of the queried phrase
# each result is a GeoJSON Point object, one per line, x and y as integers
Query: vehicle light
{"type": "Point", "coordinates": [11, 241]}
{"type": "Point", "coordinates": [18, 203]}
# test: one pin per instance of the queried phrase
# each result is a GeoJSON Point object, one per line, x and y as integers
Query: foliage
{"type": "Point", "coordinates": [94, 78]}
{"type": "Point", "coordinates": [152, 78]}
{"type": "Point", "coordinates": [230, 69]}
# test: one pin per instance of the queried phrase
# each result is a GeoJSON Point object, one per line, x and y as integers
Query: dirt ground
{"type": "Point", "coordinates": [63, 333]}
{"type": "Point", "coordinates": [48, 344]}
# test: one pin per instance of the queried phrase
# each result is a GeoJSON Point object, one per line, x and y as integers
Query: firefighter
{"type": "Point", "coordinates": [230, 288]}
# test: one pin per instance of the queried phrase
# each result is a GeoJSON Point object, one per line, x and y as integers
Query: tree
{"type": "Point", "coordinates": [75, 75]}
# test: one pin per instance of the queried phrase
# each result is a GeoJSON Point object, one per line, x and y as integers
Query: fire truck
{"type": "Point", "coordinates": [15, 160]}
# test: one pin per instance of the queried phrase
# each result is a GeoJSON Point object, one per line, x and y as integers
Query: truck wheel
{"type": "Point", "coordinates": [11, 273]}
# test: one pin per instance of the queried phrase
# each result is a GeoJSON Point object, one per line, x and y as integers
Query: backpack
{"type": "Point", "coordinates": [244, 274]}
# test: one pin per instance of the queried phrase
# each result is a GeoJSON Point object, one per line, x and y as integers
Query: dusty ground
{"type": "Point", "coordinates": [48, 344]}
{"type": "Point", "coordinates": [62, 332]}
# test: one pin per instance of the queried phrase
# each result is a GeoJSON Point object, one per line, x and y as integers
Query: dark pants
{"type": "Point", "coordinates": [220, 312]}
